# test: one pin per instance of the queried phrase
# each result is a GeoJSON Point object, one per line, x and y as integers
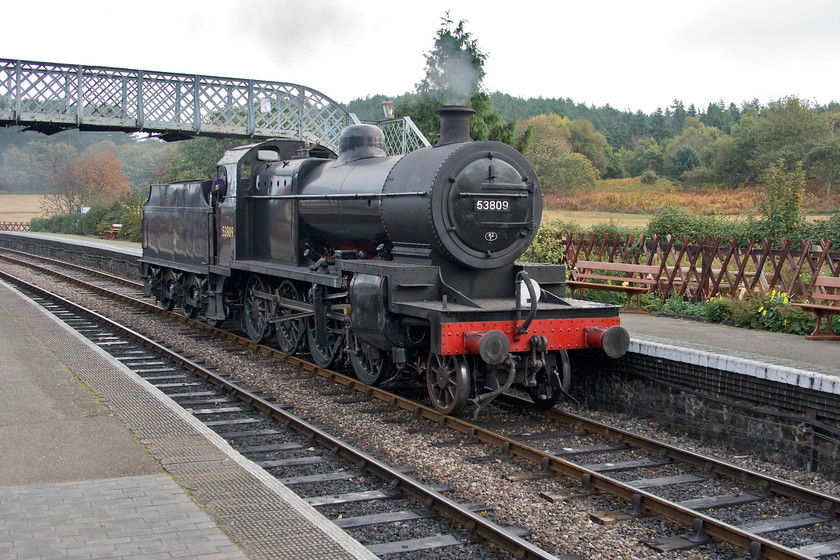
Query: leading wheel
{"type": "Point", "coordinates": [448, 381]}
{"type": "Point", "coordinates": [290, 333]}
{"type": "Point", "coordinates": [255, 309]}
{"type": "Point", "coordinates": [371, 365]}
{"type": "Point", "coordinates": [545, 394]}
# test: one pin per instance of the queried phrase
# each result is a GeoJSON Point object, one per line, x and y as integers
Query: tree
{"type": "Point", "coordinates": [454, 67]}
{"type": "Point", "coordinates": [194, 159]}
{"type": "Point", "coordinates": [787, 129]}
{"type": "Point", "coordinates": [694, 134]}
{"type": "Point", "coordinates": [684, 159]}
{"type": "Point", "coordinates": [824, 161]}
{"type": "Point", "coordinates": [659, 126]}
{"type": "Point", "coordinates": [454, 75]}
{"type": "Point", "coordinates": [718, 116]}
{"type": "Point", "coordinates": [617, 167]}
{"type": "Point", "coordinates": [96, 178]}
{"type": "Point", "coordinates": [585, 140]}
{"type": "Point", "coordinates": [678, 118]}
{"type": "Point", "coordinates": [781, 205]}
{"type": "Point", "coordinates": [574, 172]}
{"type": "Point", "coordinates": [549, 142]}
{"type": "Point", "coordinates": [141, 160]}
{"type": "Point", "coordinates": [648, 155]}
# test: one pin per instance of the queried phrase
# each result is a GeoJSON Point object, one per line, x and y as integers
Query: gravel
{"type": "Point", "coordinates": [562, 527]}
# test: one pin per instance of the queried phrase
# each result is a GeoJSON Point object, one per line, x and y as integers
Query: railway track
{"type": "Point", "coordinates": [374, 501]}
{"type": "Point", "coordinates": [708, 496]}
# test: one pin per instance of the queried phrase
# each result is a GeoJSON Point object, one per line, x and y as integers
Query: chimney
{"type": "Point", "coordinates": [454, 124]}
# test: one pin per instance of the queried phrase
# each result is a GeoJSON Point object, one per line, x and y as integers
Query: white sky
{"type": "Point", "coordinates": [631, 54]}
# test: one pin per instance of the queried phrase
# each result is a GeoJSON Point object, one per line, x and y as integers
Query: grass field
{"type": "Point", "coordinates": [624, 202]}
{"type": "Point", "coordinates": [19, 207]}
{"type": "Point", "coordinates": [586, 218]}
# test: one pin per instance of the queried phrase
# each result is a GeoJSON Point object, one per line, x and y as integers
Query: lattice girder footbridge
{"type": "Point", "coordinates": [50, 97]}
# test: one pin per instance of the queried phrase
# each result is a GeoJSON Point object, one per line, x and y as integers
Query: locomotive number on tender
{"type": "Point", "coordinates": [227, 231]}
{"type": "Point", "coordinates": [492, 205]}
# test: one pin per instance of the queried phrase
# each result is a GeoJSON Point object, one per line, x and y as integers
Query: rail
{"type": "Point", "coordinates": [477, 524]}
{"type": "Point", "coordinates": [51, 97]}
{"type": "Point", "coordinates": [591, 481]}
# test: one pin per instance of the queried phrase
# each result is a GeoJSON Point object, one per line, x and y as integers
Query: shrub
{"type": "Point", "coordinates": [546, 247]}
{"type": "Point", "coordinates": [649, 176]}
{"type": "Point", "coordinates": [781, 206]}
{"type": "Point", "coordinates": [676, 304]}
{"type": "Point", "coordinates": [101, 214]}
{"type": "Point", "coordinates": [683, 160]}
{"type": "Point", "coordinates": [67, 223]}
{"type": "Point", "coordinates": [39, 224]}
{"type": "Point", "coordinates": [824, 229]}
{"type": "Point", "coordinates": [131, 218]}
{"type": "Point", "coordinates": [673, 220]}
{"type": "Point", "coordinates": [718, 309]}
{"type": "Point", "coordinates": [777, 315]}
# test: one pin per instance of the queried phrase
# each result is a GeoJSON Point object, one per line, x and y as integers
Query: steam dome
{"type": "Point", "coordinates": [360, 141]}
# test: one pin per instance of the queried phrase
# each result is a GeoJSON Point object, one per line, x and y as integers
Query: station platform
{"type": "Point", "coordinates": [96, 463]}
{"type": "Point", "coordinates": [788, 359]}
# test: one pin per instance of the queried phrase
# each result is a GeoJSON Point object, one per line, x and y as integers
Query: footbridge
{"type": "Point", "coordinates": [51, 97]}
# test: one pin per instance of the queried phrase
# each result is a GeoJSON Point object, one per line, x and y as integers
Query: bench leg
{"type": "Point", "coordinates": [827, 334]}
{"type": "Point", "coordinates": [638, 308]}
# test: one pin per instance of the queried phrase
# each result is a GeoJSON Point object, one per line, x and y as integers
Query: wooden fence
{"type": "Point", "coordinates": [703, 268]}
{"type": "Point", "coordinates": [14, 226]}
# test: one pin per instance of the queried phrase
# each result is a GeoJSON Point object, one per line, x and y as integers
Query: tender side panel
{"type": "Point", "coordinates": [175, 224]}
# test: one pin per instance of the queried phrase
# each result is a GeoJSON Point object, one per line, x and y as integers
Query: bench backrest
{"type": "Point", "coordinates": [832, 289]}
{"type": "Point", "coordinates": [618, 267]}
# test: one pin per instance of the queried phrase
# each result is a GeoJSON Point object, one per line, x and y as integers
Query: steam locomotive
{"type": "Point", "coordinates": [393, 265]}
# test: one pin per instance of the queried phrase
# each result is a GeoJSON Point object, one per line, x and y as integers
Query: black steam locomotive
{"type": "Point", "coordinates": [396, 265]}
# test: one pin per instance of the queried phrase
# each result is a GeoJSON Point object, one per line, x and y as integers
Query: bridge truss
{"type": "Point", "coordinates": [51, 97]}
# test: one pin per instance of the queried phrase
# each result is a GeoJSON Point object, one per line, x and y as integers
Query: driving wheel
{"type": "Point", "coordinates": [371, 365]}
{"type": "Point", "coordinates": [291, 332]}
{"type": "Point", "coordinates": [255, 309]}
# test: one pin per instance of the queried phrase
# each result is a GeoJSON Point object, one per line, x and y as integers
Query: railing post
{"type": "Point", "coordinates": [80, 95]}
{"type": "Point", "coordinates": [252, 121]}
{"type": "Point", "coordinates": [301, 97]}
{"type": "Point", "coordinates": [197, 105]}
{"type": "Point", "coordinates": [17, 91]}
{"type": "Point", "coordinates": [141, 117]}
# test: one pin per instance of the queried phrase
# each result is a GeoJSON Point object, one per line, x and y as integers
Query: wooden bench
{"type": "Point", "coordinates": [637, 280]}
{"type": "Point", "coordinates": [831, 285]}
{"type": "Point", "coordinates": [114, 232]}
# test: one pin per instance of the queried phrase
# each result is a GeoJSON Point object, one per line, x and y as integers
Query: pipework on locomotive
{"type": "Point", "coordinates": [393, 265]}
